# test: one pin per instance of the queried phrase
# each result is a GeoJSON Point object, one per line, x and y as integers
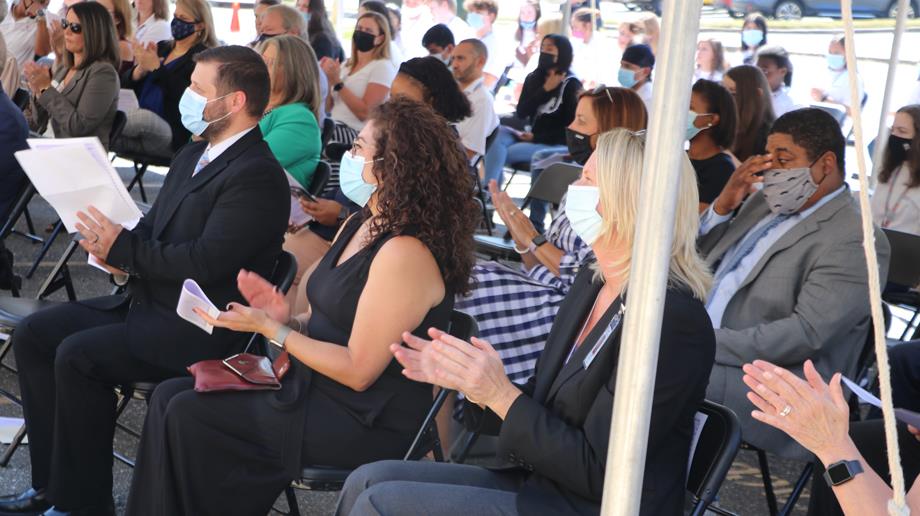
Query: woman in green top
{"type": "Point", "coordinates": [289, 125]}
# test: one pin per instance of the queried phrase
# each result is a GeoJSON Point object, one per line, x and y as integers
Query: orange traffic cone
{"type": "Point", "coordinates": [235, 20]}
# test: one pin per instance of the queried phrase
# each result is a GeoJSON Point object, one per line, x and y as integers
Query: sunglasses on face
{"type": "Point", "coordinates": [74, 27]}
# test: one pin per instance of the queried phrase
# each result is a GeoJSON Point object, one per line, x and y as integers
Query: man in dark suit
{"type": "Point", "coordinates": [223, 207]}
{"type": "Point", "coordinates": [13, 133]}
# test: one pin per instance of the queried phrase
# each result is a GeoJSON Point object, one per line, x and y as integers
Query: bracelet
{"type": "Point", "coordinates": [470, 399]}
{"type": "Point", "coordinates": [520, 251]}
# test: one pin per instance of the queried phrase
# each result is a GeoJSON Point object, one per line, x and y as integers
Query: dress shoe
{"type": "Point", "coordinates": [28, 502]}
{"type": "Point", "coordinates": [96, 510]}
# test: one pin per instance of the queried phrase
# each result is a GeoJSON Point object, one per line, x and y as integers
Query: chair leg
{"type": "Point", "coordinates": [48, 241]}
{"type": "Point", "coordinates": [293, 509]}
{"type": "Point", "coordinates": [11, 449]}
{"type": "Point", "coordinates": [467, 446]}
{"type": "Point", "coordinates": [510, 179]}
{"type": "Point", "coordinates": [767, 482]}
{"type": "Point", "coordinates": [139, 171]}
{"type": "Point", "coordinates": [797, 490]}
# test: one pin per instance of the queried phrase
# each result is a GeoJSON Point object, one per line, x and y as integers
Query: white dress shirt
{"type": "Point", "coordinates": [213, 151]}
{"type": "Point", "coordinates": [153, 30]}
{"type": "Point", "coordinates": [726, 289]}
{"type": "Point", "coordinates": [782, 102]}
{"type": "Point", "coordinates": [475, 128]}
{"type": "Point", "coordinates": [460, 29]}
{"type": "Point", "coordinates": [895, 204]}
{"type": "Point", "coordinates": [645, 93]}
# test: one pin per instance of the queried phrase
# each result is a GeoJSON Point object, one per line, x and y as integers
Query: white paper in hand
{"type": "Point", "coordinates": [903, 415]}
{"type": "Point", "coordinates": [193, 297]}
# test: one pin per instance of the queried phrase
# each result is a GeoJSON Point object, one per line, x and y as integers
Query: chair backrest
{"type": "Point", "coordinates": [839, 114]}
{"type": "Point", "coordinates": [327, 131]}
{"type": "Point", "coordinates": [463, 326]}
{"type": "Point", "coordinates": [118, 125]}
{"type": "Point", "coordinates": [22, 202]}
{"type": "Point", "coordinates": [904, 265]}
{"type": "Point", "coordinates": [21, 98]}
{"type": "Point", "coordinates": [716, 446]}
{"type": "Point", "coordinates": [502, 81]}
{"type": "Point", "coordinates": [320, 177]}
{"type": "Point", "coordinates": [283, 274]}
{"type": "Point", "coordinates": [553, 182]}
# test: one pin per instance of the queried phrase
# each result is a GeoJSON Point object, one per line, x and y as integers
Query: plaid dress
{"type": "Point", "coordinates": [515, 308]}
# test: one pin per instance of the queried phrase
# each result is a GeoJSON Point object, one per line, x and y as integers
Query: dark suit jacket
{"type": "Point", "coordinates": [13, 133]}
{"type": "Point", "coordinates": [172, 81]}
{"type": "Point", "coordinates": [232, 215]}
{"type": "Point", "coordinates": [559, 429]}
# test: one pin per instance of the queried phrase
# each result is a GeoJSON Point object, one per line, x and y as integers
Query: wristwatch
{"type": "Point", "coordinates": [280, 337]}
{"type": "Point", "coordinates": [842, 472]}
{"type": "Point", "coordinates": [536, 242]}
{"type": "Point", "coordinates": [40, 14]}
{"type": "Point", "coordinates": [343, 213]}
{"type": "Point", "coordinates": [338, 87]}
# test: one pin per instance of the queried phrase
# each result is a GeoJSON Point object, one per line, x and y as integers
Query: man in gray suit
{"type": "Point", "coordinates": [790, 274]}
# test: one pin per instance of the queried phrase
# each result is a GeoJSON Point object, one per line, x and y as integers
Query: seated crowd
{"type": "Point", "coordinates": [374, 170]}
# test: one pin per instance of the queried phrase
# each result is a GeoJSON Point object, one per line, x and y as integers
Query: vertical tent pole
{"type": "Point", "coordinates": [882, 138]}
{"type": "Point", "coordinates": [650, 259]}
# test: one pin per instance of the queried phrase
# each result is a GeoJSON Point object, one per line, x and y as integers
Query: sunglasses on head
{"type": "Point", "coordinates": [601, 89]}
{"type": "Point", "coordinates": [74, 27]}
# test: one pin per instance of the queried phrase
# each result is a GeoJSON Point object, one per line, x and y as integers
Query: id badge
{"type": "Point", "coordinates": [596, 349]}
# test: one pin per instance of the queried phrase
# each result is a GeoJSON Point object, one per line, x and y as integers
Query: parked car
{"type": "Point", "coordinates": [795, 9]}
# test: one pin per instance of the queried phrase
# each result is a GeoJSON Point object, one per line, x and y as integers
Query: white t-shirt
{"type": "Point", "coordinates": [838, 89]}
{"type": "Point", "coordinates": [460, 29]}
{"type": "Point", "coordinates": [903, 212]}
{"type": "Point", "coordinates": [378, 71]}
{"type": "Point", "coordinates": [498, 58]}
{"type": "Point", "coordinates": [20, 37]}
{"type": "Point", "coordinates": [396, 54]}
{"type": "Point", "coordinates": [645, 93]}
{"type": "Point", "coordinates": [782, 102]}
{"type": "Point", "coordinates": [415, 23]}
{"type": "Point", "coordinates": [153, 30]}
{"type": "Point", "coordinates": [475, 128]}
{"type": "Point", "coordinates": [715, 75]}
{"type": "Point", "coordinates": [594, 62]}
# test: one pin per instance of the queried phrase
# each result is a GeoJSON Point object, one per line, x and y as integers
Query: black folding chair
{"type": "Point", "coordinates": [327, 131]}
{"type": "Point", "coordinates": [904, 269]}
{"type": "Point", "coordinates": [320, 478]}
{"type": "Point", "coordinates": [282, 276]}
{"type": "Point", "coordinates": [21, 98]}
{"type": "Point", "coordinates": [141, 162]}
{"type": "Point", "coordinates": [320, 177]}
{"type": "Point", "coordinates": [550, 186]}
{"type": "Point", "coordinates": [478, 190]}
{"type": "Point", "coordinates": [713, 455]}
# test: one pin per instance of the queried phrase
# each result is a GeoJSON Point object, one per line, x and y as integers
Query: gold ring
{"type": "Point", "coordinates": [786, 410]}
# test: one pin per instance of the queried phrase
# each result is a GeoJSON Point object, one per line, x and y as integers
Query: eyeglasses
{"type": "Point", "coordinates": [74, 27]}
{"type": "Point", "coordinates": [601, 89]}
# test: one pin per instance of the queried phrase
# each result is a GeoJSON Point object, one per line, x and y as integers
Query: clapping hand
{"type": "Point", "coordinates": [520, 227]}
{"type": "Point", "coordinates": [145, 55]}
{"type": "Point", "coordinates": [332, 69]}
{"type": "Point", "coordinates": [812, 412]}
{"type": "Point", "coordinates": [473, 368]}
{"type": "Point", "coordinates": [39, 77]}
{"type": "Point", "coordinates": [261, 294]}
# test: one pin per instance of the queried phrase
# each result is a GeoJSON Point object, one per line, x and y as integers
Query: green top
{"type": "Point", "coordinates": [293, 136]}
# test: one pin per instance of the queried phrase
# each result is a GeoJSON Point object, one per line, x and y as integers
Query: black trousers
{"type": "Point", "coordinates": [69, 358]}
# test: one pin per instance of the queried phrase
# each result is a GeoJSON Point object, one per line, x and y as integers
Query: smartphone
{"type": "Point", "coordinates": [300, 193]}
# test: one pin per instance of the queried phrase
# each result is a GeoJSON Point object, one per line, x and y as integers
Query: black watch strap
{"type": "Point", "coordinates": [842, 472]}
{"type": "Point", "coordinates": [538, 240]}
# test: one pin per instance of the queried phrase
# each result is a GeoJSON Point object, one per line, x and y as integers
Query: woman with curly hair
{"type": "Point", "coordinates": [396, 264]}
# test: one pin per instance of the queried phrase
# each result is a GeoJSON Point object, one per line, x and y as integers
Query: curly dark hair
{"type": "Point", "coordinates": [440, 87]}
{"type": "Point", "coordinates": [426, 185]}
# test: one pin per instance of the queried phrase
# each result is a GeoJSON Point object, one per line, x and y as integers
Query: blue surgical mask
{"type": "Point", "coordinates": [836, 61]}
{"type": "Point", "coordinates": [191, 107]}
{"type": "Point", "coordinates": [581, 210]}
{"type": "Point", "coordinates": [475, 20]}
{"type": "Point", "coordinates": [627, 77]}
{"type": "Point", "coordinates": [752, 37]}
{"type": "Point", "coordinates": [693, 130]}
{"type": "Point", "coordinates": [529, 25]}
{"type": "Point", "coordinates": [306, 17]}
{"type": "Point", "coordinates": [351, 179]}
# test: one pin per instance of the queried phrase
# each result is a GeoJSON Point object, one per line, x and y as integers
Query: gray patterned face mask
{"type": "Point", "coordinates": [788, 189]}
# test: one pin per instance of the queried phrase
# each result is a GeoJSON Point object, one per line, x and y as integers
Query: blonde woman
{"type": "Point", "coordinates": [557, 425]}
{"type": "Point", "coordinates": [159, 78]}
{"type": "Point", "coordinates": [152, 21]}
{"type": "Point", "coordinates": [364, 81]}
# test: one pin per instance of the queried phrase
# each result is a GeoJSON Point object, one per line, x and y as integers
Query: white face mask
{"type": "Point", "coordinates": [581, 210]}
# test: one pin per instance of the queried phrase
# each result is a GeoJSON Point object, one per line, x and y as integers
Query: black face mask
{"type": "Point", "coordinates": [363, 41]}
{"type": "Point", "coordinates": [579, 146]}
{"type": "Point", "coordinates": [897, 148]}
{"type": "Point", "coordinates": [181, 29]}
{"type": "Point", "coordinates": [546, 61]}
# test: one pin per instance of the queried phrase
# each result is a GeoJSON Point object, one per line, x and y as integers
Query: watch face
{"type": "Point", "coordinates": [838, 473]}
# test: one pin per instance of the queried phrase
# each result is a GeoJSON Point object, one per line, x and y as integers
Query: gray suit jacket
{"type": "Point", "coordinates": [84, 107]}
{"type": "Point", "coordinates": [807, 297]}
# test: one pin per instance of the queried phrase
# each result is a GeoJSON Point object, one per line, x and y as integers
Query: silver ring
{"type": "Point", "coordinates": [786, 410]}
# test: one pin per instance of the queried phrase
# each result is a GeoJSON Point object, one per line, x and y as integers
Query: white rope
{"type": "Point", "coordinates": [896, 506]}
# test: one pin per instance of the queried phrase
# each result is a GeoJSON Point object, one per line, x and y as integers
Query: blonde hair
{"type": "Point", "coordinates": [620, 155]}
{"type": "Point", "coordinates": [550, 24]}
{"type": "Point", "coordinates": [200, 11]}
{"type": "Point", "coordinates": [296, 72]}
{"type": "Point", "coordinates": [382, 51]}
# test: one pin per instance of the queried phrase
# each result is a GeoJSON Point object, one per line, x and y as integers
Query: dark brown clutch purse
{"type": "Point", "coordinates": [241, 372]}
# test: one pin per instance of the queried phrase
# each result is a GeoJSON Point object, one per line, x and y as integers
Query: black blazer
{"type": "Point", "coordinates": [173, 82]}
{"type": "Point", "coordinates": [559, 429]}
{"type": "Point", "coordinates": [232, 215]}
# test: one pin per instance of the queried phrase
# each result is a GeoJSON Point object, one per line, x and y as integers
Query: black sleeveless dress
{"type": "Point", "coordinates": [231, 453]}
